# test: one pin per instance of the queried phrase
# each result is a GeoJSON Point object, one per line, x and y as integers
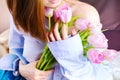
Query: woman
{"type": "Point", "coordinates": [27, 38]}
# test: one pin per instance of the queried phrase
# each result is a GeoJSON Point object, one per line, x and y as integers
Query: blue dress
{"type": "Point", "coordinates": [8, 75]}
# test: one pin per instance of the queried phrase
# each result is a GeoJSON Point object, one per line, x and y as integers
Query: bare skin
{"type": "Point", "coordinates": [30, 72]}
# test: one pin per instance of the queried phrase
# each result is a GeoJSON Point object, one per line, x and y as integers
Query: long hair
{"type": "Point", "coordinates": [29, 15]}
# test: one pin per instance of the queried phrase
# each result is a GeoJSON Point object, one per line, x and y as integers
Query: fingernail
{"type": "Point", "coordinates": [74, 32]}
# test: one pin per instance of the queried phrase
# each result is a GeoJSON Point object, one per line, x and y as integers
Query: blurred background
{"type": "Point", "coordinates": [4, 16]}
{"type": "Point", "coordinates": [4, 27]}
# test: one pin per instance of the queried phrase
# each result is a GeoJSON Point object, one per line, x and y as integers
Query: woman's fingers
{"type": "Point", "coordinates": [55, 35]}
{"type": "Point", "coordinates": [73, 32]}
{"type": "Point", "coordinates": [30, 72]}
{"type": "Point", "coordinates": [47, 73]}
{"type": "Point", "coordinates": [56, 31]}
{"type": "Point", "coordinates": [48, 40]}
{"type": "Point", "coordinates": [64, 31]}
{"type": "Point", "coordinates": [51, 37]}
{"type": "Point", "coordinates": [43, 75]}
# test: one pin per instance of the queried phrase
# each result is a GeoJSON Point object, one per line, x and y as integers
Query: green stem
{"type": "Point", "coordinates": [42, 65]}
{"type": "Point", "coordinates": [49, 22]}
{"type": "Point", "coordinates": [67, 27]}
{"type": "Point", "coordinates": [42, 61]}
{"type": "Point", "coordinates": [46, 66]}
{"type": "Point", "coordinates": [45, 60]}
{"type": "Point", "coordinates": [41, 58]}
{"type": "Point", "coordinates": [50, 64]}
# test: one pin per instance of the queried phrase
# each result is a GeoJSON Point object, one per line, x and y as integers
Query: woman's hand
{"type": "Point", "coordinates": [30, 72]}
{"type": "Point", "coordinates": [54, 34]}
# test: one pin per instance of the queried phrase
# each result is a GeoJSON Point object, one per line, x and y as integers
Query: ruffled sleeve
{"type": "Point", "coordinates": [73, 65]}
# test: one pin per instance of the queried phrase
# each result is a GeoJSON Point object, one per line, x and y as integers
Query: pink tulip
{"type": "Point", "coordinates": [98, 40]}
{"type": "Point", "coordinates": [95, 56]}
{"type": "Point", "coordinates": [95, 30]}
{"type": "Point", "coordinates": [96, 25]}
{"type": "Point", "coordinates": [110, 55]}
{"type": "Point", "coordinates": [64, 13]}
{"type": "Point", "coordinates": [82, 24]}
{"type": "Point", "coordinates": [48, 12]}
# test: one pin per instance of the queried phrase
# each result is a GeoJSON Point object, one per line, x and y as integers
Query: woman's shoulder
{"type": "Point", "coordinates": [85, 10]}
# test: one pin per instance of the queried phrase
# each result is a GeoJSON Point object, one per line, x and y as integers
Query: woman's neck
{"type": "Point", "coordinates": [62, 2]}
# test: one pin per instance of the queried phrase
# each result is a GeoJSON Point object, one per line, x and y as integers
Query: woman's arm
{"type": "Point", "coordinates": [68, 51]}
{"type": "Point", "coordinates": [15, 48]}
{"type": "Point", "coordinates": [16, 41]}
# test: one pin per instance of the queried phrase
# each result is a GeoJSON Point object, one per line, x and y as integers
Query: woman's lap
{"type": "Point", "coordinates": [8, 75]}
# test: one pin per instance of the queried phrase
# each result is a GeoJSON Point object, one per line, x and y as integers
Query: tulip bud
{"type": "Point", "coordinates": [48, 12]}
{"type": "Point", "coordinates": [64, 13]}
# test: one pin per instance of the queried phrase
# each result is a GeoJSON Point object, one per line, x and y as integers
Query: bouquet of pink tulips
{"type": "Point", "coordinates": [64, 13]}
{"type": "Point", "coordinates": [93, 40]}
